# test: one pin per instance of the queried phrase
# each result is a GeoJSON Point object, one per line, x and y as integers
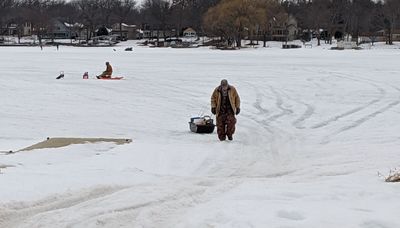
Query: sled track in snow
{"type": "Point", "coordinates": [384, 107]}
{"type": "Point", "coordinates": [15, 214]}
{"type": "Point", "coordinates": [368, 117]}
{"type": "Point", "coordinates": [309, 109]}
{"type": "Point", "coordinates": [258, 102]}
{"type": "Point", "coordinates": [279, 105]}
{"type": "Point", "coordinates": [268, 141]}
{"type": "Point", "coordinates": [152, 205]}
{"type": "Point", "coordinates": [298, 123]}
{"type": "Point", "coordinates": [383, 102]}
{"type": "Point", "coordinates": [333, 119]}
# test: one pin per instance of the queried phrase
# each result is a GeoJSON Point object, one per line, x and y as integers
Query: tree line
{"type": "Point", "coordinates": [231, 20]}
{"type": "Point", "coordinates": [348, 17]}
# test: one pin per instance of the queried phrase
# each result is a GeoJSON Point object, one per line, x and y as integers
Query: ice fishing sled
{"type": "Point", "coordinates": [112, 78]}
{"type": "Point", "coordinates": [202, 124]}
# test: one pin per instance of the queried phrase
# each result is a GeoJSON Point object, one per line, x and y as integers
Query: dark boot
{"type": "Point", "coordinates": [230, 137]}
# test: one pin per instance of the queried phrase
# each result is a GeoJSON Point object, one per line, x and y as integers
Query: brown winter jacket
{"type": "Point", "coordinates": [233, 98]}
{"type": "Point", "coordinates": [109, 70]}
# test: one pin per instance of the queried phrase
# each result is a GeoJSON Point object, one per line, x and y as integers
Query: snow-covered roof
{"type": "Point", "coordinates": [78, 25]}
{"type": "Point", "coordinates": [129, 26]}
{"type": "Point", "coordinates": [189, 30]}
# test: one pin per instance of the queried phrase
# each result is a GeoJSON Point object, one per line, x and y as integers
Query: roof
{"type": "Point", "coordinates": [129, 26]}
{"type": "Point", "coordinates": [77, 25]}
{"type": "Point", "coordinates": [189, 30]}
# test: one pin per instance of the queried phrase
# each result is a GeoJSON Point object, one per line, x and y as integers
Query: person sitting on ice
{"type": "Point", "coordinates": [107, 73]}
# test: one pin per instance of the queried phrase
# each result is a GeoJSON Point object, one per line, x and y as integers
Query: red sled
{"type": "Point", "coordinates": [112, 78]}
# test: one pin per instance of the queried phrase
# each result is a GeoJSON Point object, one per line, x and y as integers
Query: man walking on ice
{"type": "Point", "coordinates": [225, 104]}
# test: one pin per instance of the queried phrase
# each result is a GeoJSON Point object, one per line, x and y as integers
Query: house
{"type": "Point", "coordinates": [60, 30]}
{"type": "Point", "coordinates": [292, 29]}
{"type": "Point", "coordinates": [65, 30]}
{"type": "Point", "coordinates": [189, 32]}
{"type": "Point", "coordinates": [9, 30]}
{"type": "Point", "coordinates": [125, 31]}
{"type": "Point", "coordinates": [77, 30]}
{"type": "Point", "coordinates": [153, 34]}
{"type": "Point", "coordinates": [396, 35]}
{"type": "Point", "coordinates": [27, 29]}
{"type": "Point", "coordinates": [284, 28]}
{"type": "Point", "coordinates": [385, 35]}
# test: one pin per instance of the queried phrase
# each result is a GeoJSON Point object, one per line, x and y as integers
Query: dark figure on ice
{"type": "Point", "coordinates": [107, 73]}
{"type": "Point", "coordinates": [61, 75]}
{"type": "Point", "coordinates": [225, 103]}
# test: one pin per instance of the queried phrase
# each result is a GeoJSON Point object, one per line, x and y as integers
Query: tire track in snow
{"type": "Point", "coordinates": [169, 212]}
{"type": "Point", "coordinates": [361, 121]}
{"type": "Point", "coordinates": [309, 111]}
{"type": "Point", "coordinates": [258, 102]}
{"type": "Point", "coordinates": [15, 214]}
{"type": "Point", "coordinates": [268, 148]}
{"type": "Point", "coordinates": [298, 123]}
{"type": "Point", "coordinates": [279, 104]}
{"type": "Point", "coordinates": [147, 205]}
{"type": "Point", "coordinates": [333, 119]}
{"type": "Point", "coordinates": [369, 116]}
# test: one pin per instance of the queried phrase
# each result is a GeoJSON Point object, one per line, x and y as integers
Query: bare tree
{"type": "Point", "coordinates": [106, 8]}
{"type": "Point", "coordinates": [5, 12]}
{"type": "Point", "coordinates": [89, 13]}
{"type": "Point", "coordinates": [234, 19]}
{"type": "Point", "coordinates": [189, 13]}
{"type": "Point", "coordinates": [361, 17]}
{"type": "Point", "coordinates": [122, 10]}
{"type": "Point", "coordinates": [377, 21]}
{"type": "Point", "coordinates": [318, 17]}
{"type": "Point", "coordinates": [37, 12]}
{"type": "Point", "coordinates": [392, 16]}
{"type": "Point", "coordinates": [158, 15]}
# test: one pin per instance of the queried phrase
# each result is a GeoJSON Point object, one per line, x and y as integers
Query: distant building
{"type": "Point", "coordinates": [60, 30]}
{"type": "Point", "coordinates": [64, 30]}
{"type": "Point", "coordinates": [385, 35]}
{"type": "Point", "coordinates": [125, 31]}
{"type": "Point", "coordinates": [9, 30]}
{"type": "Point", "coordinates": [189, 32]}
{"type": "Point", "coordinates": [27, 29]}
{"type": "Point", "coordinates": [283, 29]}
{"type": "Point", "coordinates": [153, 34]}
{"type": "Point", "coordinates": [77, 30]}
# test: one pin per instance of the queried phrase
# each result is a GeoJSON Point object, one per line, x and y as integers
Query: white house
{"type": "Point", "coordinates": [189, 32]}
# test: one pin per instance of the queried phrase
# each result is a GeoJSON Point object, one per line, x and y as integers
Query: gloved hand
{"type": "Point", "coordinates": [237, 111]}
{"type": "Point", "coordinates": [213, 111]}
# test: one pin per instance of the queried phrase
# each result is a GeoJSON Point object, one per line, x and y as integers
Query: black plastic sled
{"type": "Point", "coordinates": [203, 125]}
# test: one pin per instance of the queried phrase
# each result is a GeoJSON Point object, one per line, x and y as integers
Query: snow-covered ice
{"type": "Point", "coordinates": [316, 127]}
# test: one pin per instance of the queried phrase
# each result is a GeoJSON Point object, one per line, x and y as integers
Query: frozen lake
{"type": "Point", "coordinates": [316, 127]}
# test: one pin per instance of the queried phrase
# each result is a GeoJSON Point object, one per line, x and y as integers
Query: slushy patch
{"type": "Point", "coordinates": [63, 142]}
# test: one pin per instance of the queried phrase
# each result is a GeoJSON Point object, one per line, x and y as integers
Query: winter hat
{"type": "Point", "coordinates": [224, 82]}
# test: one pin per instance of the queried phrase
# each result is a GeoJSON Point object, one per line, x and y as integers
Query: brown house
{"type": "Point", "coordinates": [127, 32]}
